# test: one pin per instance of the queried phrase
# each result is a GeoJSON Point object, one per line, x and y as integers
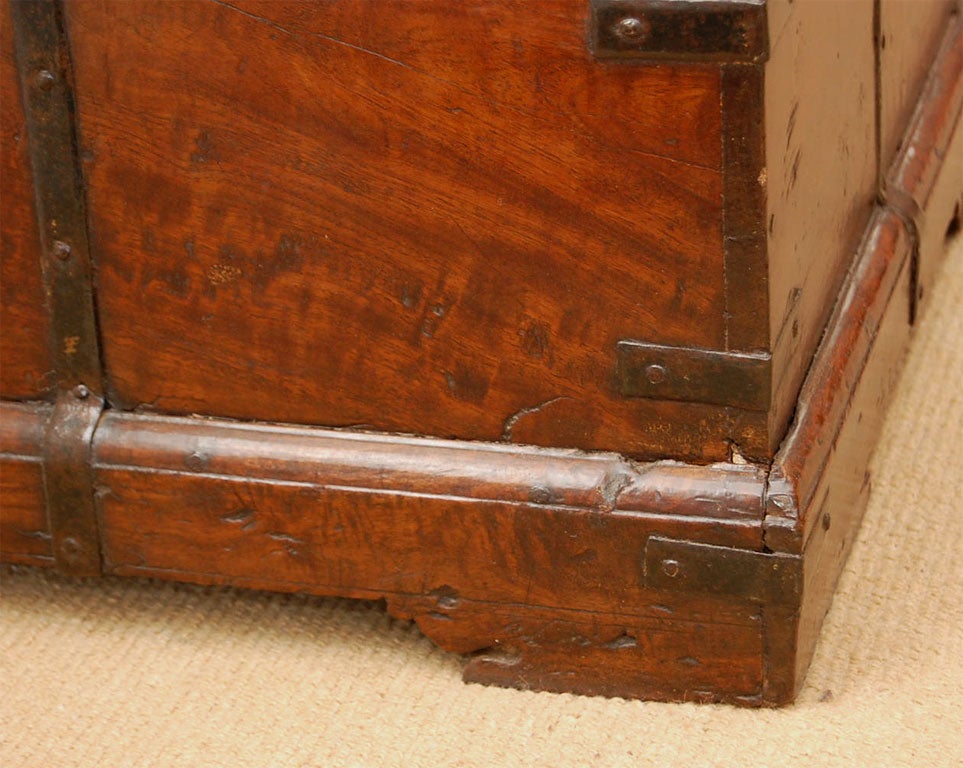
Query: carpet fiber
{"type": "Point", "coordinates": [118, 673]}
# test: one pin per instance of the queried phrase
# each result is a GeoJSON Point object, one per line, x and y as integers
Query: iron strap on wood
{"type": "Point", "coordinates": [43, 64]}
{"type": "Point", "coordinates": [694, 30]}
{"type": "Point", "coordinates": [736, 379]}
{"type": "Point", "coordinates": [689, 566]}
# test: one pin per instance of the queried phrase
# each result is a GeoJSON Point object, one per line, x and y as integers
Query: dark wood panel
{"type": "Point", "coordinates": [26, 370]}
{"type": "Point", "coordinates": [745, 172]}
{"type": "Point", "coordinates": [358, 543]}
{"type": "Point", "coordinates": [24, 533]}
{"type": "Point", "coordinates": [417, 220]}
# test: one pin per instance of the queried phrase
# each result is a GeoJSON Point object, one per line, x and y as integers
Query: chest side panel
{"type": "Point", "coordinates": [820, 115]}
{"type": "Point", "coordinates": [909, 35]}
{"type": "Point", "coordinates": [397, 215]}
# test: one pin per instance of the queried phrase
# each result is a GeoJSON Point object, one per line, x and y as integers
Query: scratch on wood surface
{"type": "Point", "coordinates": [276, 536]}
{"type": "Point", "coordinates": [242, 515]}
{"type": "Point", "coordinates": [513, 420]}
{"type": "Point", "coordinates": [318, 35]}
{"type": "Point", "coordinates": [625, 640]}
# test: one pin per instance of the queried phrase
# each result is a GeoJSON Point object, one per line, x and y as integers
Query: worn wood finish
{"type": "Point", "coordinates": [744, 214]}
{"type": "Point", "coordinates": [820, 480]}
{"type": "Point", "coordinates": [420, 220]}
{"type": "Point", "coordinates": [826, 399]}
{"type": "Point", "coordinates": [455, 536]}
{"type": "Point", "coordinates": [909, 35]}
{"type": "Point", "coordinates": [436, 467]}
{"type": "Point", "coordinates": [26, 371]}
{"type": "Point", "coordinates": [24, 529]}
{"type": "Point", "coordinates": [837, 506]}
{"type": "Point", "coordinates": [821, 175]}
{"type": "Point", "coordinates": [440, 185]}
{"type": "Point", "coordinates": [925, 182]}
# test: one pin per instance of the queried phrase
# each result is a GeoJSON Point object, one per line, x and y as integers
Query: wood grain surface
{"type": "Point", "coordinates": [26, 370]}
{"type": "Point", "coordinates": [24, 529]}
{"type": "Point", "coordinates": [424, 221]}
{"type": "Point", "coordinates": [413, 220]}
{"type": "Point", "coordinates": [531, 557]}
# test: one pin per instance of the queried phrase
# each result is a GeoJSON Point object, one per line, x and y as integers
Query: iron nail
{"type": "Point", "coordinates": [61, 250]}
{"type": "Point", "coordinates": [44, 79]}
{"type": "Point", "coordinates": [70, 548]}
{"type": "Point", "coordinates": [656, 374]}
{"type": "Point", "coordinates": [670, 568]}
{"type": "Point", "coordinates": [632, 28]}
{"type": "Point", "coordinates": [81, 392]}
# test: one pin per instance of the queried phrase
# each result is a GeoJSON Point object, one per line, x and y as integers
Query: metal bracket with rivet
{"type": "Point", "coordinates": [693, 30]}
{"type": "Point", "coordinates": [712, 570]}
{"type": "Point", "coordinates": [736, 379]}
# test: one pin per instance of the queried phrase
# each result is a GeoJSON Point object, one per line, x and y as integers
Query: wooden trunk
{"type": "Point", "coordinates": [565, 327]}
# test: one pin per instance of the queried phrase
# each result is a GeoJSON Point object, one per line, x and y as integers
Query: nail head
{"type": "Point", "coordinates": [61, 250]}
{"type": "Point", "coordinates": [656, 374]}
{"type": "Point", "coordinates": [632, 29]}
{"type": "Point", "coordinates": [44, 79]}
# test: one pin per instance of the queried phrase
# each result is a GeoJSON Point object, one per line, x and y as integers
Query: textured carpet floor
{"type": "Point", "coordinates": [115, 673]}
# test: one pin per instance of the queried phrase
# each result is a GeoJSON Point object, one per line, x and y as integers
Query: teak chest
{"type": "Point", "coordinates": [564, 327]}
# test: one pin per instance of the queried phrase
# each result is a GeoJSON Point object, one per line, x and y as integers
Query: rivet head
{"type": "Point", "coordinates": [44, 79]}
{"type": "Point", "coordinates": [61, 250]}
{"type": "Point", "coordinates": [70, 548]}
{"type": "Point", "coordinates": [656, 374]}
{"type": "Point", "coordinates": [671, 568]}
{"type": "Point", "coordinates": [81, 392]}
{"type": "Point", "coordinates": [632, 29]}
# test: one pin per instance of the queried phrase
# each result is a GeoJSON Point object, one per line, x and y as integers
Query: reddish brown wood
{"type": "Point", "coordinates": [434, 467]}
{"type": "Point", "coordinates": [24, 530]}
{"type": "Point", "coordinates": [25, 363]}
{"type": "Point", "coordinates": [616, 656]}
{"type": "Point", "coordinates": [441, 186]}
{"type": "Point", "coordinates": [819, 482]}
{"type": "Point", "coordinates": [457, 536]}
{"type": "Point", "coordinates": [837, 506]}
{"type": "Point", "coordinates": [437, 222]}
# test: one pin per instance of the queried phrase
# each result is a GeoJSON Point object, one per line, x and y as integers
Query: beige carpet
{"type": "Point", "coordinates": [114, 673]}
